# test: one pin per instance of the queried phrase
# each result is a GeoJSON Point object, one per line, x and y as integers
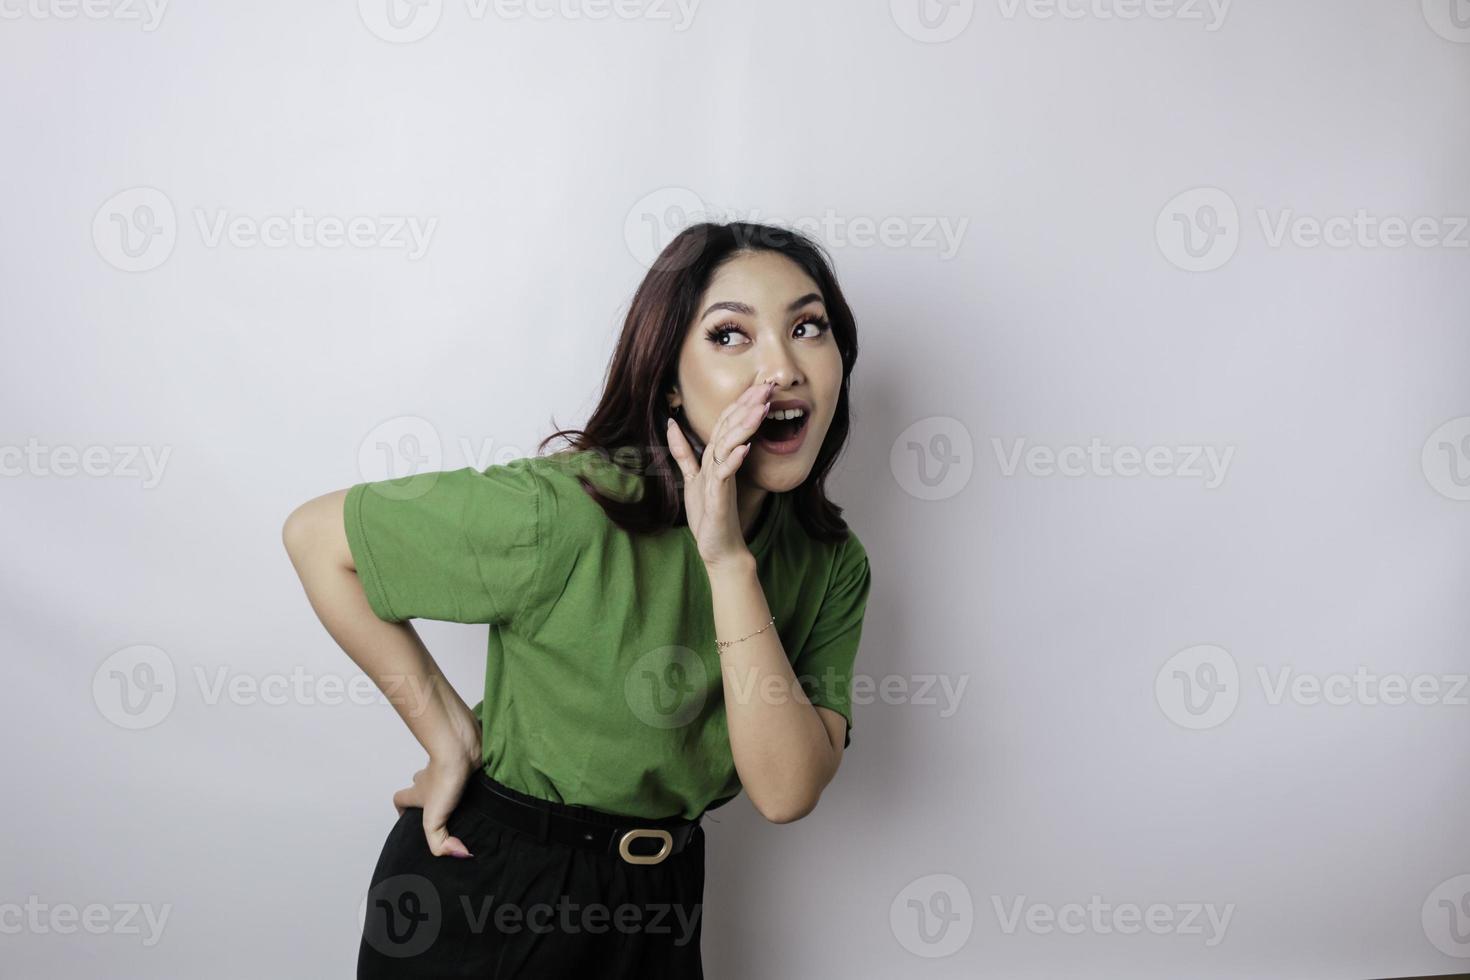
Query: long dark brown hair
{"type": "Point", "coordinates": [627, 427]}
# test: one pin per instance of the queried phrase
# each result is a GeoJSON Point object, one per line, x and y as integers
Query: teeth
{"type": "Point", "coordinates": [785, 414]}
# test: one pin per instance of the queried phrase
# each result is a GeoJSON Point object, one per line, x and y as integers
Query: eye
{"type": "Point", "coordinates": [718, 334]}
{"type": "Point", "coordinates": [815, 320]}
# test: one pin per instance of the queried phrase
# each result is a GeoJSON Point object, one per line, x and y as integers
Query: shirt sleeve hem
{"type": "Point", "coordinates": [841, 709]}
{"type": "Point", "coordinates": [362, 555]}
{"type": "Point", "coordinates": [538, 547]}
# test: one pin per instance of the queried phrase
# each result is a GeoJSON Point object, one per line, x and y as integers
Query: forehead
{"type": "Point", "coordinates": [760, 278]}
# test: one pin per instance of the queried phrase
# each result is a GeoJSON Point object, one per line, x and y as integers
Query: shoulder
{"type": "Point", "coordinates": [561, 475]}
{"type": "Point", "coordinates": [842, 557]}
{"type": "Point", "coordinates": [567, 510]}
{"type": "Point", "coordinates": [850, 568]}
{"type": "Point", "coordinates": [831, 571]}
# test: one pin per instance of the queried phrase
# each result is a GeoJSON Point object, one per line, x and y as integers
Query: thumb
{"type": "Point", "coordinates": [442, 843]}
{"type": "Point", "coordinates": [679, 447]}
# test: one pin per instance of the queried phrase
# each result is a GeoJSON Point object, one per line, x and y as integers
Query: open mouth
{"type": "Point", "coordinates": [783, 435]}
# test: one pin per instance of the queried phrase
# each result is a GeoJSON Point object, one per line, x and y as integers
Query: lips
{"type": "Point", "coordinates": [783, 437]}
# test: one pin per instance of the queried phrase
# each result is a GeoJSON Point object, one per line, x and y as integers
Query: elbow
{"type": "Point", "coordinates": [294, 532]}
{"type": "Point", "coordinates": [303, 534]}
{"type": "Point", "coordinates": [789, 813]}
{"type": "Point", "coordinates": [315, 532]}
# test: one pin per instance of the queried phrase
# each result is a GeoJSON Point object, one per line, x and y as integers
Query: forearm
{"type": "Point", "coordinates": [781, 748]}
{"type": "Point", "coordinates": [391, 654]}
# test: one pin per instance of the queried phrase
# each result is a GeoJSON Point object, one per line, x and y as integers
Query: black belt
{"type": "Point", "coordinates": [603, 832]}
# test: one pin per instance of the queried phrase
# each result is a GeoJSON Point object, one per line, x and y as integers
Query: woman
{"type": "Point", "coordinates": [663, 633]}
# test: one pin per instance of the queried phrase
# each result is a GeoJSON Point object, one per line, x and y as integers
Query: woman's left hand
{"type": "Point", "coordinates": [709, 487]}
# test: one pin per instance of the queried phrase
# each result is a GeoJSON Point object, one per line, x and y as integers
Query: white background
{"type": "Point", "coordinates": [553, 155]}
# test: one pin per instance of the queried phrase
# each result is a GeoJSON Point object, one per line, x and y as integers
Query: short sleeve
{"type": "Point", "coordinates": [461, 546]}
{"type": "Point", "coordinates": [825, 665]}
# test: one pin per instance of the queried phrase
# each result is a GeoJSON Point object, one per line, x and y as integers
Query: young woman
{"type": "Point", "coordinates": [674, 608]}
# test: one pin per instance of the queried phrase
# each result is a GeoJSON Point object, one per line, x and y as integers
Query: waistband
{"type": "Point", "coordinates": [637, 840]}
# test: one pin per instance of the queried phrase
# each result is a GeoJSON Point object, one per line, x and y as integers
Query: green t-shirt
{"type": "Point", "coordinates": [602, 682]}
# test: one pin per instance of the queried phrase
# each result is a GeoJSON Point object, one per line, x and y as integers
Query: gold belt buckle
{"type": "Point", "coordinates": [632, 858]}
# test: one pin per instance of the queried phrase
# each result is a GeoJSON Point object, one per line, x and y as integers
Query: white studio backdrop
{"type": "Point", "coordinates": [1161, 454]}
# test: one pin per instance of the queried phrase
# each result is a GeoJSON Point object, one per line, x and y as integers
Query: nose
{"type": "Point", "coordinates": [780, 370]}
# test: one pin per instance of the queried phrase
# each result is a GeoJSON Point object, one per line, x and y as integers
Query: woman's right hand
{"type": "Point", "coordinates": [437, 788]}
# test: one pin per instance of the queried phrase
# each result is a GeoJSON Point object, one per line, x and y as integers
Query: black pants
{"type": "Point", "coordinates": [522, 908]}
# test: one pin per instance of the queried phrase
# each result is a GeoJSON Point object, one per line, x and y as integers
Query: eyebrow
{"type": "Point", "coordinates": [749, 310]}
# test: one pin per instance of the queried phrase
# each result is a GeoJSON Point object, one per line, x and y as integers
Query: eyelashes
{"type": "Point", "coordinates": [717, 333]}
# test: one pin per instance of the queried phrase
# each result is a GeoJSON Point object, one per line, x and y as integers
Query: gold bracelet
{"type": "Point", "coordinates": [721, 644]}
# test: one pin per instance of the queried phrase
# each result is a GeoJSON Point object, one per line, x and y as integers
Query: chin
{"type": "Point", "coordinates": [780, 474]}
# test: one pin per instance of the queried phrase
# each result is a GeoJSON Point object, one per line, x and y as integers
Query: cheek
{"type": "Point", "coordinates": [828, 384]}
{"type": "Point", "coordinates": [826, 372]}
